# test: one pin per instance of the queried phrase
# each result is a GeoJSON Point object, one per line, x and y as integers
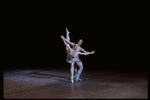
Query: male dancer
{"type": "Point", "coordinates": [78, 46]}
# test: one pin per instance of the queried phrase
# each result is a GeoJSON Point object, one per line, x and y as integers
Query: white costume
{"type": "Point", "coordinates": [72, 59]}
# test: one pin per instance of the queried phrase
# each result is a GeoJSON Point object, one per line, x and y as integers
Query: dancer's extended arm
{"type": "Point", "coordinates": [84, 50]}
{"type": "Point", "coordinates": [86, 53]}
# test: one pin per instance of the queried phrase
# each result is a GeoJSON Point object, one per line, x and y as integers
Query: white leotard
{"type": "Point", "coordinates": [71, 58]}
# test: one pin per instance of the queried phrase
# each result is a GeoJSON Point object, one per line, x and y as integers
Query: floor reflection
{"type": "Point", "coordinates": [57, 84]}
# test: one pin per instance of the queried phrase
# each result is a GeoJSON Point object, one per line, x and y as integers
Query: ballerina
{"type": "Point", "coordinates": [73, 56]}
{"type": "Point", "coordinates": [79, 63]}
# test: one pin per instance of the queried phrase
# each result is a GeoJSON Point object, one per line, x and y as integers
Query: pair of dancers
{"type": "Point", "coordinates": [73, 55]}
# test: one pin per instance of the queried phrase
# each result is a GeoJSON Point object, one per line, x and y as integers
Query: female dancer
{"type": "Point", "coordinates": [73, 56]}
{"type": "Point", "coordinates": [79, 62]}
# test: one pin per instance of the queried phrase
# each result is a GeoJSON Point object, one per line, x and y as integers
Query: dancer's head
{"type": "Point", "coordinates": [80, 41]}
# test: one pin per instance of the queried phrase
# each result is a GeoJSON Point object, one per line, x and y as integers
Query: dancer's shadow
{"type": "Point", "coordinates": [36, 74]}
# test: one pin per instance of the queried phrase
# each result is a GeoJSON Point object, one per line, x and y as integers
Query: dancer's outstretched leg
{"type": "Point", "coordinates": [67, 34]}
{"type": "Point", "coordinates": [67, 37]}
{"type": "Point", "coordinates": [72, 72]}
{"type": "Point", "coordinates": [79, 63]}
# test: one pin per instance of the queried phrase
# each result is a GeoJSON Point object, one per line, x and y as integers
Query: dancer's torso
{"type": "Point", "coordinates": [74, 54]}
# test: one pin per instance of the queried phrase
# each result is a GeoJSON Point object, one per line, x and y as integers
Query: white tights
{"type": "Point", "coordinates": [67, 37]}
{"type": "Point", "coordinates": [80, 64]}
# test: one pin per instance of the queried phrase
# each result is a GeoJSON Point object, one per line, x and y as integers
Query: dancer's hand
{"type": "Point", "coordinates": [93, 52]}
{"type": "Point", "coordinates": [62, 36]}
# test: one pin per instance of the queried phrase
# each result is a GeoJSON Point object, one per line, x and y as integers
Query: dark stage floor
{"type": "Point", "coordinates": [48, 83]}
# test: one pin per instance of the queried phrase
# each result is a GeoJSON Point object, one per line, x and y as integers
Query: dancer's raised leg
{"type": "Point", "coordinates": [67, 37]}
{"type": "Point", "coordinates": [67, 34]}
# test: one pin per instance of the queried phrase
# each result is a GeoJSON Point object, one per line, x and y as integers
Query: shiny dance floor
{"type": "Point", "coordinates": [48, 83]}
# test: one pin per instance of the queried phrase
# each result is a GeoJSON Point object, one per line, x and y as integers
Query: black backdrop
{"type": "Point", "coordinates": [115, 30]}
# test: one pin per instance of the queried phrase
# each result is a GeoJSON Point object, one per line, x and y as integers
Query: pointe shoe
{"type": "Point", "coordinates": [67, 31]}
{"type": "Point", "coordinates": [72, 80]}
